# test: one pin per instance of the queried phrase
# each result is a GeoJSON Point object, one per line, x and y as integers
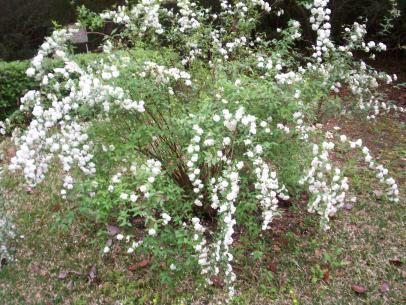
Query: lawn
{"type": "Point", "coordinates": [59, 259]}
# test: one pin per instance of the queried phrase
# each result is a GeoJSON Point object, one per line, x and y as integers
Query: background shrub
{"type": "Point", "coordinates": [13, 83]}
{"type": "Point", "coordinates": [23, 26]}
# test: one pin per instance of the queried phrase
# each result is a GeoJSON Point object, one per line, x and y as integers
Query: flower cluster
{"type": "Point", "coordinates": [164, 75]}
{"type": "Point", "coordinates": [141, 18]}
{"type": "Point", "coordinates": [216, 257]}
{"type": "Point", "coordinates": [262, 4]}
{"type": "Point", "coordinates": [187, 20]}
{"type": "Point", "coordinates": [381, 172]}
{"type": "Point", "coordinates": [320, 20]}
{"type": "Point", "coordinates": [326, 184]}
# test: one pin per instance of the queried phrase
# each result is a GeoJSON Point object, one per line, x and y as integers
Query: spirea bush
{"type": "Point", "coordinates": [191, 123]}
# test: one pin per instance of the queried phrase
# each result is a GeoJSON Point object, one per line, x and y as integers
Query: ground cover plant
{"type": "Point", "coordinates": [191, 135]}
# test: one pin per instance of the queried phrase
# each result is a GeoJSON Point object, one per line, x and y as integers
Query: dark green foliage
{"type": "Point", "coordinates": [13, 84]}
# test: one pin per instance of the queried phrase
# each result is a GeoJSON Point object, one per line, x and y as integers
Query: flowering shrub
{"type": "Point", "coordinates": [190, 124]}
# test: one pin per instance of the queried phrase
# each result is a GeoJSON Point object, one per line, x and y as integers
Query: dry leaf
{"type": "Point", "coordinates": [217, 281]}
{"type": "Point", "coordinates": [378, 194]}
{"type": "Point", "coordinates": [142, 264]}
{"type": "Point", "coordinates": [56, 208]}
{"type": "Point", "coordinates": [62, 275]}
{"type": "Point", "coordinates": [92, 274]}
{"type": "Point", "coordinates": [318, 252]}
{"type": "Point", "coordinates": [348, 206]}
{"type": "Point", "coordinates": [384, 287]}
{"type": "Point", "coordinates": [273, 267]}
{"type": "Point", "coordinates": [112, 230]}
{"type": "Point", "coordinates": [326, 276]}
{"type": "Point", "coordinates": [396, 262]}
{"type": "Point", "coordinates": [359, 288]}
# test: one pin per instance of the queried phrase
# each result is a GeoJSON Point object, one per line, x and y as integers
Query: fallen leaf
{"type": "Point", "coordinates": [384, 287]}
{"type": "Point", "coordinates": [284, 241]}
{"type": "Point", "coordinates": [326, 276]}
{"type": "Point", "coordinates": [359, 288]}
{"type": "Point", "coordinates": [276, 248]}
{"type": "Point", "coordinates": [318, 252]}
{"type": "Point", "coordinates": [378, 194]}
{"type": "Point", "coordinates": [142, 264]}
{"type": "Point", "coordinates": [348, 206]}
{"type": "Point", "coordinates": [273, 267]}
{"type": "Point", "coordinates": [217, 281]}
{"type": "Point", "coordinates": [92, 274]}
{"type": "Point", "coordinates": [56, 208]}
{"type": "Point", "coordinates": [138, 221]}
{"type": "Point", "coordinates": [76, 273]}
{"type": "Point", "coordinates": [396, 262]}
{"type": "Point", "coordinates": [62, 275]}
{"type": "Point", "coordinates": [112, 230]}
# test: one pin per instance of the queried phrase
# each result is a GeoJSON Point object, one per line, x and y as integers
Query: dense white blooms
{"type": "Point", "coordinates": [225, 144]}
{"type": "Point", "coordinates": [320, 20]}
{"type": "Point", "coordinates": [326, 184]}
{"type": "Point", "coordinates": [141, 18]}
{"type": "Point", "coordinates": [165, 75]}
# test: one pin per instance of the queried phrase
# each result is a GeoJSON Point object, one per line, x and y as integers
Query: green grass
{"type": "Point", "coordinates": [312, 267]}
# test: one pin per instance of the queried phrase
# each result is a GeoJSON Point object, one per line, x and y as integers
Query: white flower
{"type": "Point", "coordinates": [240, 165]}
{"type": "Point", "coordinates": [152, 232]}
{"type": "Point", "coordinates": [123, 196]}
{"type": "Point", "coordinates": [106, 250]}
{"type": "Point", "coordinates": [120, 237]}
{"type": "Point", "coordinates": [343, 138]}
{"type": "Point", "coordinates": [133, 198]}
{"type": "Point", "coordinates": [30, 72]}
{"type": "Point", "coordinates": [166, 218]}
